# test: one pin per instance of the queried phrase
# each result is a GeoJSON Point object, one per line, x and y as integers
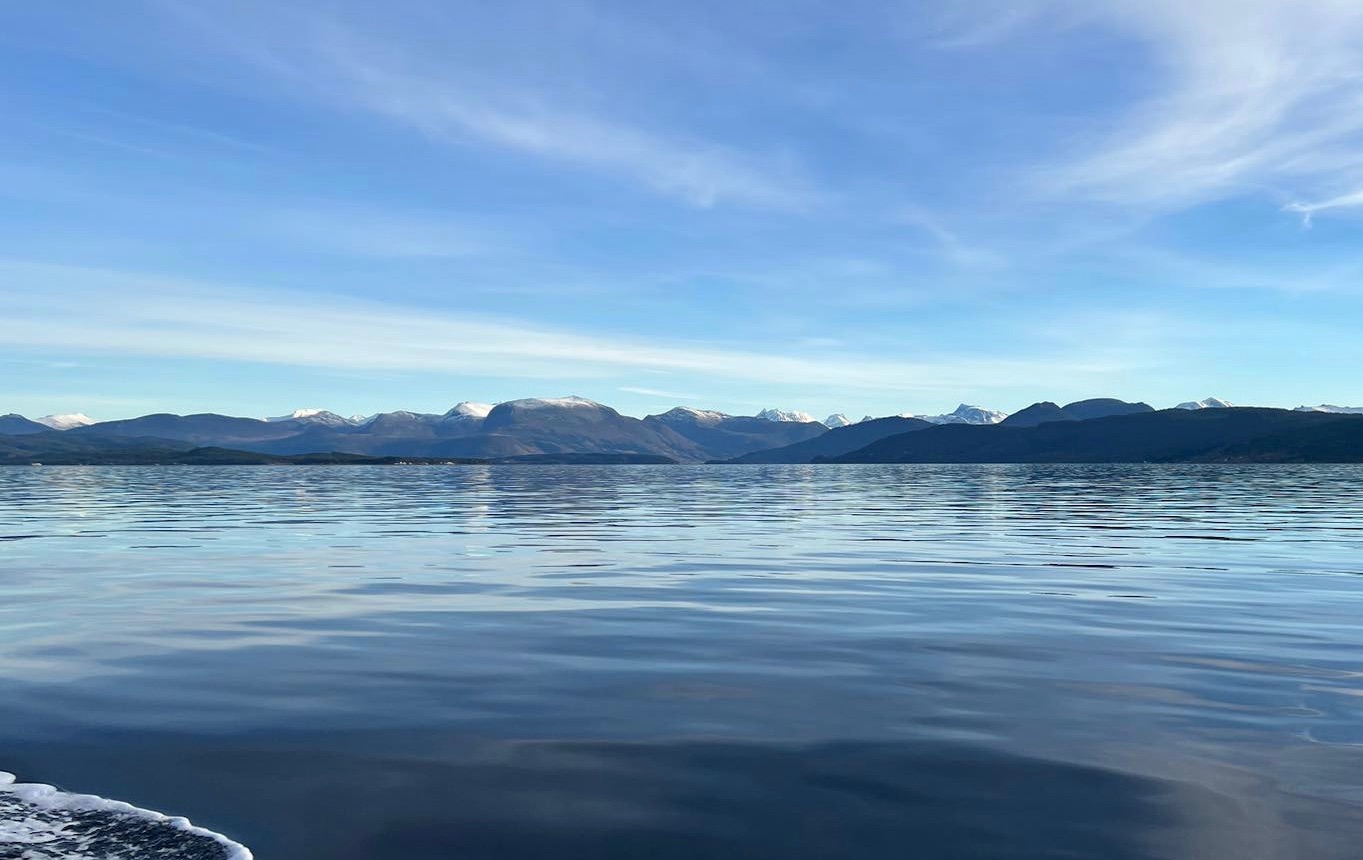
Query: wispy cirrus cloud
{"type": "Point", "coordinates": [364, 232]}
{"type": "Point", "coordinates": [1352, 200]}
{"type": "Point", "coordinates": [949, 244]}
{"type": "Point", "coordinates": [322, 55]}
{"type": "Point", "coordinates": [1250, 96]}
{"type": "Point", "coordinates": [702, 173]}
{"type": "Point", "coordinates": [1240, 97]}
{"type": "Point", "coordinates": [658, 392]}
{"type": "Point", "coordinates": [90, 311]}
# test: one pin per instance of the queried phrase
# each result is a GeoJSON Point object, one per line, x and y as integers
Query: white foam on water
{"type": "Point", "coordinates": [41, 822]}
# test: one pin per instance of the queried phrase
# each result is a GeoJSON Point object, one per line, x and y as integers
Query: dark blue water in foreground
{"type": "Point", "coordinates": [683, 662]}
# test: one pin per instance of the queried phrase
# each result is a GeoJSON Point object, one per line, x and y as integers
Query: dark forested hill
{"type": "Point", "coordinates": [841, 440]}
{"type": "Point", "coordinates": [17, 425]}
{"type": "Point", "coordinates": [1172, 435]}
{"type": "Point", "coordinates": [1082, 410]}
{"type": "Point", "coordinates": [60, 449]}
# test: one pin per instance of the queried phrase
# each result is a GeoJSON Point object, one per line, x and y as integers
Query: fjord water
{"type": "Point", "coordinates": [683, 662]}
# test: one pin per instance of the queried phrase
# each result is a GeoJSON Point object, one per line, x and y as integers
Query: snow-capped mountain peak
{"type": "Point", "coordinates": [1209, 403]}
{"type": "Point", "coordinates": [963, 414]}
{"type": "Point", "coordinates": [313, 416]}
{"type": "Point", "coordinates": [67, 421]}
{"type": "Point", "coordinates": [690, 414]}
{"type": "Point", "coordinates": [1324, 407]}
{"type": "Point", "coordinates": [836, 420]}
{"type": "Point", "coordinates": [967, 414]}
{"type": "Point", "coordinates": [572, 402]}
{"type": "Point", "coordinates": [786, 415]}
{"type": "Point", "coordinates": [399, 421]}
{"type": "Point", "coordinates": [468, 409]}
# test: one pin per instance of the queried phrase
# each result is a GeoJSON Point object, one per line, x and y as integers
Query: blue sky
{"type": "Point", "coordinates": [865, 207]}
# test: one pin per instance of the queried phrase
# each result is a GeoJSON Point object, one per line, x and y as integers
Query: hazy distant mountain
{"type": "Point", "coordinates": [1169, 436]}
{"type": "Point", "coordinates": [67, 421]}
{"type": "Point", "coordinates": [402, 422]}
{"type": "Point", "coordinates": [836, 442]}
{"type": "Point", "coordinates": [386, 434]}
{"type": "Point", "coordinates": [721, 437]}
{"type": "Point", "coordinates": [201, 429]}
{"type": "Point", "coordinates": [1082, 410]}
{"type": "Point", "coordinates": [963, 414]}
{"type": "Point", "coordinates": [1209, 403]}
{"type": "Point", "coordinates": [1324, 407]}
{"type": "Point", "coordinates": [1104, 407]}
{"type": "Point", "coordinates": [786, 415]}
{"type": "Point", "coordinates": [687, 416]}
{"type": "Point", "coordinates": [836, 420]}
{"type": "Point", "coordinates": [14, 424]}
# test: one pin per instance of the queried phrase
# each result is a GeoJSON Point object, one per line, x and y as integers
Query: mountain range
{"type": "Point", "coordinates": [529, 428]}
{"type": "Point", "coordinates": [573, 429]}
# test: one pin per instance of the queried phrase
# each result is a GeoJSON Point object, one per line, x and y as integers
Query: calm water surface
{"type": "Point", "coordinates": [682, 662]}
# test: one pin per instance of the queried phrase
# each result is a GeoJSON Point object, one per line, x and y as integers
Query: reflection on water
{"type": "Point", "coordinates": [964, 661]}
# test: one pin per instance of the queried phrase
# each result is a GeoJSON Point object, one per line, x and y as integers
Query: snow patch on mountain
{"type": "Point", "coordinates": [467, 409]}
{"type": "Point", "coordinates": [405, 415]}
{"type": "Point", "coordinates": [555, 402]}
{"type": "Point", "coordinates": [67, 421]}
{"type": "Point", "coordinates": [786, 415]}
{"type": "Point", "coordinates": [314, 416]}
{"type": "Point", "coordinates": [1209, 403]}
{"type": "Point", "coordinates": [690, 414]}
{"type": "Point", "coordinates": [963, 414]}
{"type": "Point", "coordinates": [1324, 407]}
{"type": "Point", "coordinates": [836, 420]}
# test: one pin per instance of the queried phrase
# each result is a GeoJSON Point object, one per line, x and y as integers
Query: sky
{"type": "Point", "coordinates": [859, 207]}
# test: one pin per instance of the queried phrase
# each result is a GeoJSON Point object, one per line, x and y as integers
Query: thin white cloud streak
{"type": "Point", "coordinates": [1195, 271]}
{"type": "Point", "coordinates": [984, 23]}
{"type": "Point", "coordinates": [1249, 96]}
{"type": "Point", "coordinates": [76, 311]}
{"type": "Point", "coordinates": [190, 132]}
{"type": "Point", "coordinates": [345, 67]}
{"type": "Point", "coordinates": [703, 174]}
{"type": "Point", "coordinates": [1353, 200]}
{"type": "Point", "coordinates": [658, 392]}
{"type": "Point", "coordinates": [369, 233]}
{"type": "Point", "coordinates": [951, 246]}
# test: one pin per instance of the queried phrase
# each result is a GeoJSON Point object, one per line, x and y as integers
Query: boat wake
{"type": "Point", "coordinates": [39, 822]}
